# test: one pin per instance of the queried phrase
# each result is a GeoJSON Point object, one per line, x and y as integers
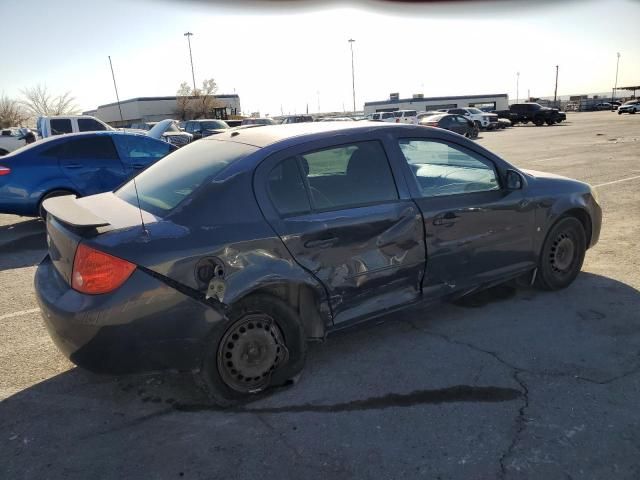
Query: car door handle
{"type": "Point", "coordinates": [72, 165]}
{"type": "Point", "coordinates": [448, 218]}
{"type": "Point", "coordinates": [138, 165]}
{"type": "Point", "coordinates": [321, 243]}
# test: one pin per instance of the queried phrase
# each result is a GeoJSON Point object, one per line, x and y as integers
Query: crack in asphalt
{"type": "Point", "coordinates": [521, 420]}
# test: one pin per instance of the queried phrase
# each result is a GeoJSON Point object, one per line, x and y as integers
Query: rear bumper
{"type": "Point", "coordinates": [145, 325]}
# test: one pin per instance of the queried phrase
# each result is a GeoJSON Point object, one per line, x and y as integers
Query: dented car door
{"type": "Point", "coordinates": [340, 214]}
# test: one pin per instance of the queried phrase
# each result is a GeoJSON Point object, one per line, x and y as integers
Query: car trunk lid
{"type": "Point", "coordinates": [72, 220]}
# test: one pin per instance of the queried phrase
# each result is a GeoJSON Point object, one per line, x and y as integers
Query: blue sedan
{"type": "Point", "coordinates": [79, 164]}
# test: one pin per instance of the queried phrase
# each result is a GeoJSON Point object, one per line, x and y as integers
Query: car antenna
{"type": "Point", "coordinates": [135, 185]}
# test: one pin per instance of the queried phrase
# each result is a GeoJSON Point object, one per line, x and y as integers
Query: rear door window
{"type": "Point", "coordinates": [90, 125]}
{"type": "Point", "coordinates": [95, 147]}
{"type": "Point", "coordinates": [60, 126]}
{"type": "Point", "coordinates": [142, 148]}
{"type": "Point", "coordinates": [348, 175]}
{"type": "Point", "coordinates": [287, 189]}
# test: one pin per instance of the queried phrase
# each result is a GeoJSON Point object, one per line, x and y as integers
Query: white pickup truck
{"type": "Point", "coordinates": [49, 126]}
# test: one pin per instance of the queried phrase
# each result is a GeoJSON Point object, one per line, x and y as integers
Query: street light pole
{"type": "Point", "coordinates": [555, 93]}
{"type": "Point", "coordinates": [353, 76]}
{"type": "Point", "coordinates": [193, 75]}
{"type": "Point", "coordinates": [615, 87]}
{"type": "Point", "coordinates": [517, 86]}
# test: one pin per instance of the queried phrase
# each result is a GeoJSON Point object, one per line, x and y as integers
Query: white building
{"type": "Point", "coordinates": [153, 109]}
{"type": "Point", "coordinates": [418, 102]}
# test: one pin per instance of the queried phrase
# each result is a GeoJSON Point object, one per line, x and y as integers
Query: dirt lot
{"type": "Point", "coordinates": [522, 384]}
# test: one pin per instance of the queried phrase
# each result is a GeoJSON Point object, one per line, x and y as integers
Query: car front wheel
{"type": "Point", "coordinates": [562, 254]}
{"type": "Point", "coordinates": [260, 345]}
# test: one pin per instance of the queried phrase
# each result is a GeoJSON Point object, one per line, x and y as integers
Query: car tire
{"type": "Point", "coordinates": [538, 122]}
{"type": "Point", "coordinates": [619, 112]}
{"type": "Point", "coordinates": [54, 193]}
{"type": "Point", "coordinates": [260, 325]}
{"type": "Point", "coordinates": [550, 122]}
{"type": "Point", "coordinates": [3, 152]}
{"type": "Point", "coordinates": [562, 255]}
{"type": "Point", "coordinates": [633, 111]}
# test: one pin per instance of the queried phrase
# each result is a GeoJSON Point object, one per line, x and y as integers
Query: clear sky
{"type": "Point", "coordinates": [285, 56]}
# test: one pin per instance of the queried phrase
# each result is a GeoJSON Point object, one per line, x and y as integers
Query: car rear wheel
{"type": "Point", "coordinates": [550, 122]}
{"type": "Point", "coordinates": [538, 122]}
{"type": "Point", "coordinates": [42, 213]}
{"type": "Point", "coordinates": [261, 345]}
{"type": "Point", "coordinates": [562, 255]}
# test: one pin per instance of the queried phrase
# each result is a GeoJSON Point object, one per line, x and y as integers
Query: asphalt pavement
{"type": "Point", "coordinates": [514, 384]}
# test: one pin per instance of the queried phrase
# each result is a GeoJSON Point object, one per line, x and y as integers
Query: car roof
{"type": "Point", "coordinates": [264, 135]}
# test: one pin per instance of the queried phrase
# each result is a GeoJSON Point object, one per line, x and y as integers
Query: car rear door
{"type": "Point", "coordinates": [477, 231]}
{"type": "Point", "coordinates": [342, 217]}
{"type": "Point", "coordinates": [92, 163]}
{"type": "Point", "coordinates": [138, 152]}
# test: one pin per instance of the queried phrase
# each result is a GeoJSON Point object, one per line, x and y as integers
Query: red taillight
{"type": "Point", "coordinates": [95, 272]}
{"type": "Point", "coordinates": [4, 170]}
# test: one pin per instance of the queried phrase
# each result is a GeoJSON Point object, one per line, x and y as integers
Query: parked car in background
{"type": "Point", "coordinates": [631, 106]}
{"type": "Point", "coordinates": [233, 123]}
{"type": "Point", "coordinates": [13, 138]}
{"type": "Point", "coordinates": [504, 122]}
{"type": "Point", "coordinates": [296, 119]}
{"type": "Point", "coordinates": [406, 116]}
{"type": "Point", "coordinates": [205, 127]}
{"type": "Point", "coordinates": [258, 121]}
{"type": "Point", "coordinates": [383, 117]}
{"type": "Point", "coordinates": [603, 106]}
{"type": "Point", "coordinates": [168, 131]}
{"type": "Point", "coordinates": [336, 119]}
{"type": "Point", "coordinates": [339, 222]}
{"type": "Point", "coordinates": [429, 113]}
{"type": "Point", "coordinates": [615, 104]}
{"type": "Point", "coordinates": [572, 107]}
{"type": "Point", "coordinates": [59, 125]}
{"type": "Point", "coordinates": [531, 112]}
{"type": "Point", "coordinates": [75, 164]}
{"type": "Point", "coordinates": [455, 123]}
{"type": "Point", "coordinates": [477, 116]}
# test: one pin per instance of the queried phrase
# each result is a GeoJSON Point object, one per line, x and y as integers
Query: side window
{"type": "Point", "coordinates": [90, 125]}
{"type": "Point", "coordinates": [376, 116]}
{"type": "Point", "coordinates": [60, 126]}
{"type": "Point", "coordinates": [286, 188]}
{"type": "Point", "coordinates": [94, 147]}
{"type": "Point", "coordinates": [441, 169]}
{"type": "Point", "coordinates": [136, 147]}
{"type": "Point", "coordinates": [348, 175]}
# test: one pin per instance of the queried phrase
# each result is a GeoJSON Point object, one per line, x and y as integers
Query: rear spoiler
{"type": "Point", "coordinates": [67, 210]}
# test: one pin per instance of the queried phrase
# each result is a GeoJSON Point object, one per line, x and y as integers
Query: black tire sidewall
{"type": "Point", "coordinates": [546, 278]}
{"type": "Point", "coordinates": [51, 194]}
{"type": "Point", "coordinates": [290, 326]}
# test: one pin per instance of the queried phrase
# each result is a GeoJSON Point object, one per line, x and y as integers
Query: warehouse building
{"type": "Point", "coordinates": [421, 103]}
{"type": "Point", "coordinates": [154, 109]}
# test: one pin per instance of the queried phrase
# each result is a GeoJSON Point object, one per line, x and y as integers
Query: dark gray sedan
{"type": "Point", "coordinates": [227, 256]}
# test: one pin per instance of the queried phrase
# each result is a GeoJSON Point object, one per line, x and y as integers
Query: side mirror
{"type": "Point", "coordinates": [514, 180]}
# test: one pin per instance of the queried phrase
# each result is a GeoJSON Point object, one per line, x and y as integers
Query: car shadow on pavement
{"type": "Point", "coordinates": [22, 244]}
{"type": "Point", "coordinates": [438, 355]}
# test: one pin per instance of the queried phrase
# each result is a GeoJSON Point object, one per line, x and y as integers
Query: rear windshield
{"type": "Point", "coordinates": [166, 183]}
{"type": "Point", "coordinates": [214, 124]}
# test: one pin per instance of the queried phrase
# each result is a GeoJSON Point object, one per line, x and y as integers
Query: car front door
{"type": "Point", "coordinates": [477, 231]}
{"type": "Point", "coordinates": [343, 218]}
{"type": "Point", "coordinates": [91, 163]}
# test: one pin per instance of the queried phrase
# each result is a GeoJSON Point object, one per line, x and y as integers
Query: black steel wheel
{"type": "Point", "coordinates": [562, 254]}
{"type": "Point", "coordinates": [260, 344]}
{"type": "Point", "coordinates": [250, 351]}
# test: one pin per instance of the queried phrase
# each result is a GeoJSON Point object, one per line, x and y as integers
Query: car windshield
{"type": "Point", "coordinates": [631, 102]}
{"type": "Point", "coordinates": [475, 110]}
{"type": "Point", "coordinates": [165, 184]}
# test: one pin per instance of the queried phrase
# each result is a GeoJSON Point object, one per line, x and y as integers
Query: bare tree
{"type": "Point", "coordinates": [39, 101]}
{"type": "Point", "coordinates": [12, 113]}
{"type": "Point", "coordinates": [182, 101]}
{"type": "Point", "coordinates": [198, 103]}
